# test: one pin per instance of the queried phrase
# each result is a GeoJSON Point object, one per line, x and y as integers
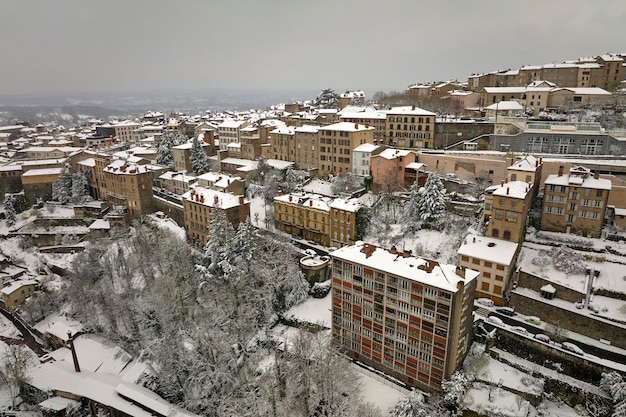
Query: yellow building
{"type": "Point", "coordinates": [323, 220]}
{"type": "Point", "coordinates": [307, 146]}
{"type": "Point", "coordinates": [283, 144]}
{"type": "Point", "coordinates": [410, 127]}
{"type": "Point", "coordinates": [494, 260]}
{"type": "Point", "coordinates": [506, 208]}
{"type": "Point", "coordinates": [37, 183]}
{"type": "Point", "coordinates": [336, 144]}
{"type": "Point", "coordinates": [16, 292]}
{"type": "Point", "coordinates": [528, 170]}
{"type": "Point", "coordinates": [198, 206]}
{"type": "Point", "coordinates": [575, 202]}
{"type": "Point", "coordinates": [126, 186]}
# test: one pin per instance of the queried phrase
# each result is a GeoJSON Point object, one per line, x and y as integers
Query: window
{"type": "Point", "coordinates": [511, 216]}
{"type": "Point", "coordinates": [495, 233]}
{"type": "Point", "coordinates": [499, 214]}
{"type": "Point", "coordinates": [497, 289]}
{"type": "Point", "coordinates": [484, 286]}
{"type": "Point", "coordinates": [506, 235]}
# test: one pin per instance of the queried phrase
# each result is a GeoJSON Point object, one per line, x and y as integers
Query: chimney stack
{"type": "Point", "coordinates": [596, 175]}
{"type": "Point", "coordinates": [560, 170]}
{"type": "Point", "coordinates": [70, 342]}
{"type": "Point", "coordinates": [502, 183]}
{"type": "Point", "coordinates": [507, 190]}
{"type": "Point", "coordinates": [310, 203]}
{"type": "Point", "coordinates": [216, 199]}
{"type": "Point", "coordinates": [241, 199]}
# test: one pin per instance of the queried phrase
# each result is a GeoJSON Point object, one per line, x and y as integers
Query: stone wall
{"type": "Point", "coordinates": [534, 282]}
{"type": "Point", "coordinates": [570, 319]}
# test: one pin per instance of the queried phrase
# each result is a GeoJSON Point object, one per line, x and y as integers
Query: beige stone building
{"type": "Point", "coordinates": [336, 143]}
{"type": "Point", "coordinates": [307, 148]}
{"type": "Point", "coordinates": [410, 127]}
{"type": "Point", "coordinates": [16, 292]}
{"type": "Point", "coordinates": [494, 259]}
{"type": "Point", "coordinates": [506, 208]}
{"type": "Point", "coordinates": [199, 204]}
{"type": "Point", "coordinates": [323, 220]}
{"type": "Point", "coordinates": [407, 316]}
{"type": "Point", "coordinates": [283, 143]}
{"type": "Point", "coordinates": [369, 117]}
{"type": "Point", "coordinates": [575, 202]}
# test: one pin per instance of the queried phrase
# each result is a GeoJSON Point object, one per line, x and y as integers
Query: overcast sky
{"type": "Point", "coordinates": [136, 45]}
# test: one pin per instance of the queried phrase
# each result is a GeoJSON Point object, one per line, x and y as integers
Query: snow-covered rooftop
{"type": "Point", "coordinates": [212, 198]}
{"type": "Point", "coordinates": [409, 110]}
{"type": "Point", "coordinates": [428, 272]}
{"type": "Point", "coordinates": [347, 127]}
{"type": "Point", "coordinates": [529, 164]}
{"type": "Point", "coordinates": [584, 181]}
{"type": "Point", "coordinates": [488, 249]}
{"type": "Point", "coordinates": [390, 153]}
{"type": "Point", "coordinates": [514, 189]}
{"type": "Point", "coordinates": [366, 147]}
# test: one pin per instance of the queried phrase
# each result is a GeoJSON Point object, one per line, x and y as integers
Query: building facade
{"type": "Point", "coordinates": [494, 260]}
{"type": "Point", "coordinates": [336, 144]}
{"type": "Point", "coordinates": [506, 208]}
{"type": "Point", "coordinates": [307, 147]}
{"type": "Point", "coordinates": [407, 316]}
{"type": "Point", "coordinates": [199, 204]}
{"type": "Point", "coordinates": [575, 202]}
{"type": "Point", "coordinates": [410, 127]}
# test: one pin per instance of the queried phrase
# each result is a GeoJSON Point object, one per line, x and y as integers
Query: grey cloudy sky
{"type": "Point", "coordinates": [136, 45]}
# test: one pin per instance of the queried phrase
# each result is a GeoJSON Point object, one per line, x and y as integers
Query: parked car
{"type": "Point", "coordinates": [533, 320]}
{"type": "Point", "coordinates": [485, 301]}
{"type": "Point", "coordinates": [542, 337]}
{"type": "Point", "coordinates": [495, 320]}
{"type": "Point", "coordinates": [519, 329]}
{"type": "Point", "coordinates": [572, 348]}
{"type": "Point", "coordinates": [507, 311]}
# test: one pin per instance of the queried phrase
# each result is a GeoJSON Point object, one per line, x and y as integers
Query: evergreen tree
{"type": "Point", "coordinates": [168, 141]}
{"type": "Point", "coordinates": [199, 160]}
{"type": "Point", "coordinates": [411, 210]}
{"type": "Point", "coordinates": [328, 99]}
{"type": "Point", "coordinates": [431, 202]}
{"type": "Point", "coordinates": [9, 209]}
{"type": "Point", "coordinates": [62, 187]}
{"type": "Point", "coordinates": [80, 188]}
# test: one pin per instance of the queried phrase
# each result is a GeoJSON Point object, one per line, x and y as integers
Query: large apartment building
{"type": "Point", "coordinates": [369, 117]}
{"type": "Point", "coordinates": [506, 208]}
{"type": "Point", "coordinates": [283, 143]}
{"type": "Point", "coordinates": [336, 144]}
{"type": "Point", "coordinates": [126, 185]}
{"type": "Point", "coordinates": [229, 132]}
{"type": "Point", "coordinates": [575, 202]}
{"type": "Point", "coordinates": [408, 316]}
{"type": "Point", "coordinates": [323, 220]}
{"type": "Point", "coordinates": [410, 127]}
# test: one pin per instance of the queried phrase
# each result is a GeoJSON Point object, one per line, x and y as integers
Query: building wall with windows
{"type": "Point", "coordinates": [407, 316]}
{"type": "Point", "coordinates": [199, 204]}
{"type": "Point", "coordinates": [323, 220]}
{"type": "Point", "coordinates": [307, 146]}
{"type": "Point", "coordinates": [410, 127]}
{"type": "Point", "coordinates": [494, 260]}
{"type": "Point", "coordinates": [575, 202]}
{"type": "Point", "coordinates": [377, 119]}
{"type": "Point", "coordinates": [283, 143]}
{"type": "Point", "coordinates": [336, 144]}
{"type": "Point", "coordinates": [506, 208]}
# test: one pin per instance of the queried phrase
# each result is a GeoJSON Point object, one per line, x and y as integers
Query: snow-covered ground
{"type": "Point", "coordinates": [7, 329]}
{"type": "Point", "coordinates": [313, 310]}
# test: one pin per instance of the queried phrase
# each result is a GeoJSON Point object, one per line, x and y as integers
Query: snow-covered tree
{"type": "Point", "coordinates": [455, 388]}
{"type": "Point", "coordinates": [199, 161]}
{"type": "Point", "coordinates": [614, 384]}
{"type": "Point", "coordinates": [80, 188]}
{"type": "Point", "coordinates": [431, 201]}
{"type": "Point", "coordinates": [568, 260]}
{"type": "Point", "coordinates": [13, 370]}
{"type": "Point", "coordinates": [346, 184]}
{"type": "Point", "coordinates": [62, 187]}
{"type": "Point", "coordinates": [168, 141]}
{"type": "Point", "coordinates": [9, 209]}
{"type": "Point", "coordinates": [327, 99]}
{"type": "Point", "coordinates": [542, 260]}
{"type": "Point", "coordinates": [411, 405]}
{"type": "Point", "coordinates": [412, 221]}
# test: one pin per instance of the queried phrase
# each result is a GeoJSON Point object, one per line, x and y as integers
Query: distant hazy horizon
{"type": "Point", "coordinates": [77, 46]}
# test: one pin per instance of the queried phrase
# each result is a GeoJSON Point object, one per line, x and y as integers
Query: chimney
{"type": "Point", "coordinates": [560, 170]}
{"type": "Point", "coordinates": [310, 203]}
{"type": "Point", "coordinates": [596, 175]}
{"type": "Point", "coordinates": [502, 183]}
{"type": "Point", "coordinates": [536, 163]}
{"type": "Point", "coordinates": [512, 161]}
{"type": "Point", "coordinates": [290, 198]}
{"type": "Point", "coordinates": [216, 199]}
{"type": "Point", "coordinates": [202, 198]}
{"type": "Point", "coordinates": [356, 126]}
{"type": "Point", "coordinates": [70, 342]}
{"type": "Point", "coordinates": [241, 199]}
{"type": "Point", "coordinates": [474, 239]}
{"type": "Point", "coordinates": [507, 190]}
{"type": "Point", "coordinates": [460, 271]}
{"type": "Point", "coordinates": [541, 160]}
